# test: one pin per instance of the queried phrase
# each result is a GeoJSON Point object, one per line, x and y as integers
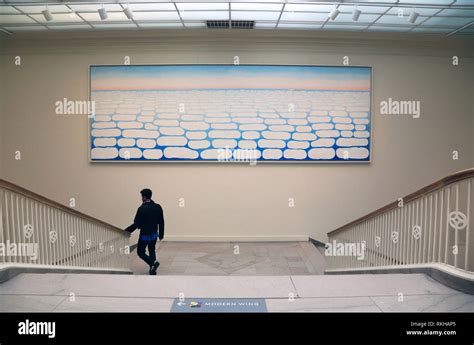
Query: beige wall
{"type": "Point", "coordinates": [235, 201]}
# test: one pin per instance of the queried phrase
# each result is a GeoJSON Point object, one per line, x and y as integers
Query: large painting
{"type": "Point", "coordinates": [230, 113]}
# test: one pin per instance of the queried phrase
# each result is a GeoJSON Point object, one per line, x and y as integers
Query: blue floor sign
{"type": "Point", "coordinates": [219, 305]}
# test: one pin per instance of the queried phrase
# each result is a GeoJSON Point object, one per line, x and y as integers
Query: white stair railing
{"type": "Point", "coordinates": [37, 231]}
{"type": "Point", "coordinates": [432, 225]}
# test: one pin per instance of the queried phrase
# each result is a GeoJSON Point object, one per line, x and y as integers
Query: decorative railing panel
{"type": "Point", "coordinates": [38, 231]}
{"type": "Point", "coordinates": [432, 225]}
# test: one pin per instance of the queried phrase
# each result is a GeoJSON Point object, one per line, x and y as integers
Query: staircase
{"type": "Point", "coordinates": [42, 235]}
{"type": "Point", "coordinates": [427, 231]}
{"type": "Point", "coordinates": [418, 243]}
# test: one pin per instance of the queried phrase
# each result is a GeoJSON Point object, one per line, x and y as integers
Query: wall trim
{"type": "Point", "coordinates": [191, 238]}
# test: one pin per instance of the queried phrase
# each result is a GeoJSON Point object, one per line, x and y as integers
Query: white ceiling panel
{"type": "Point", "coordinates": [446, 21]}
{"type": "Point", "coordinates": [156, 16]}
{"type": "Point", "coordinates": [58, 18]}
{"type": "Point", "coordinates": [457, 12]}
{"type": "Point", "coordinates": [8, 10]}
{"type": "Point", "coordinates": [309, 8]}
{"type": "Point", "coordinates": [305, 17]}
{"type": "Point", "coordinates": [205, 15]}
{"type": "Point", "coordinates": [95, 8]}
{"type": "Point", "coordinates": [204, 6]}
{"type": "Point", "coordinates": [405, 11]}
{"type": "Point", "coordinates": [346, 17]}
{"type": "Point", "coordinates": [15, 19]}
{"type": "Point", "coordinates": [396, 20]}
{"type": "Point", "coordinates": [256, 7]}
{"type": "Point", "coordinates": [248, 15]}
{"type": "Point", "coordinates": [111, 17]}
{"type": "Point", "coordinates": [152, 7]}
{"type": "Point", "coordinates": [36, 9]}
{"type": "Point", "coordinates": [364, 9]}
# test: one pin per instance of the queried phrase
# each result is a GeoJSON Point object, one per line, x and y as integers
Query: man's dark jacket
{"type": "Point", "coordinates": [149, 219]}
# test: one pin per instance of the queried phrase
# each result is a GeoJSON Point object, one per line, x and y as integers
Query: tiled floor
{"type": "Point", "coordinates": [316, 293]}
{"type": "Point", "coordinates": [232, 258]}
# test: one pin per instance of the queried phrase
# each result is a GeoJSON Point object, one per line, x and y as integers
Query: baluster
{"type": "Point", "coordinates": [468, 220]}
{"type": "Point", "coordinates": [447, 226]}
{"type": "Point", "coordinates": [429, 215]}
{"type": "Point", "coordinates": [456, 230]}
{"type": "Point", "coordinates": [433, 254]}
{"type": "Point", "coordinates": [441, 212]}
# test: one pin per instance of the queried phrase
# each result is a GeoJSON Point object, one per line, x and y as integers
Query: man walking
{"type": "Point", "coordinates": [149, 219]}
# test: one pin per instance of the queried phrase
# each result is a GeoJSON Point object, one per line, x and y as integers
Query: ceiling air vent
{"type": "Point", "coordinates": [230, 24]}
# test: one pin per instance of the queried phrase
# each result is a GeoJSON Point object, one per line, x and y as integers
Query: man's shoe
{"type": "Point", "coordinates": [153, 268]}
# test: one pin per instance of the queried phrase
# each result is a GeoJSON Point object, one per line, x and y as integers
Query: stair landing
{"type": "Point", "coordinates": [50, 292]}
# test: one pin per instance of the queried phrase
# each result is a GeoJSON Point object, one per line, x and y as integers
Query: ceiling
{"type": "Point", "coordinates": [442, 17]}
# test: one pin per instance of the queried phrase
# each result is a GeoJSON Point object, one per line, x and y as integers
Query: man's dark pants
{"type": "Point", "coordinates": [142, 244]}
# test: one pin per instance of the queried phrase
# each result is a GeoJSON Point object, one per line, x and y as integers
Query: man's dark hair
{"type": "Point", "coordinates": [146, 193]}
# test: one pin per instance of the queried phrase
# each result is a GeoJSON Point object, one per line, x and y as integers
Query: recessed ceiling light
{"type": "Point", "coordinates": [334, 13]}
{"type": "Point", "coordinates": [413, 16]}
{"type": "Point", "coordinates": [128, 12]}
{"type": "Point", "coordinates": [47, 15]}
{"type": "Point", "coordinates": [103, 13]}
{"type": "Point", "coordinates": [356, 14]}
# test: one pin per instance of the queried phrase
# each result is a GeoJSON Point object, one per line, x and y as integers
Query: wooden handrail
{"type": "Point", "coordinates": [458, 176]}
{"type": "Point", "coordinates": [29, 194]}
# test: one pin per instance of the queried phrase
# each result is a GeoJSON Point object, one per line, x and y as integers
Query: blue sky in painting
{"type": "Point", "coordinates": [193, 71]}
